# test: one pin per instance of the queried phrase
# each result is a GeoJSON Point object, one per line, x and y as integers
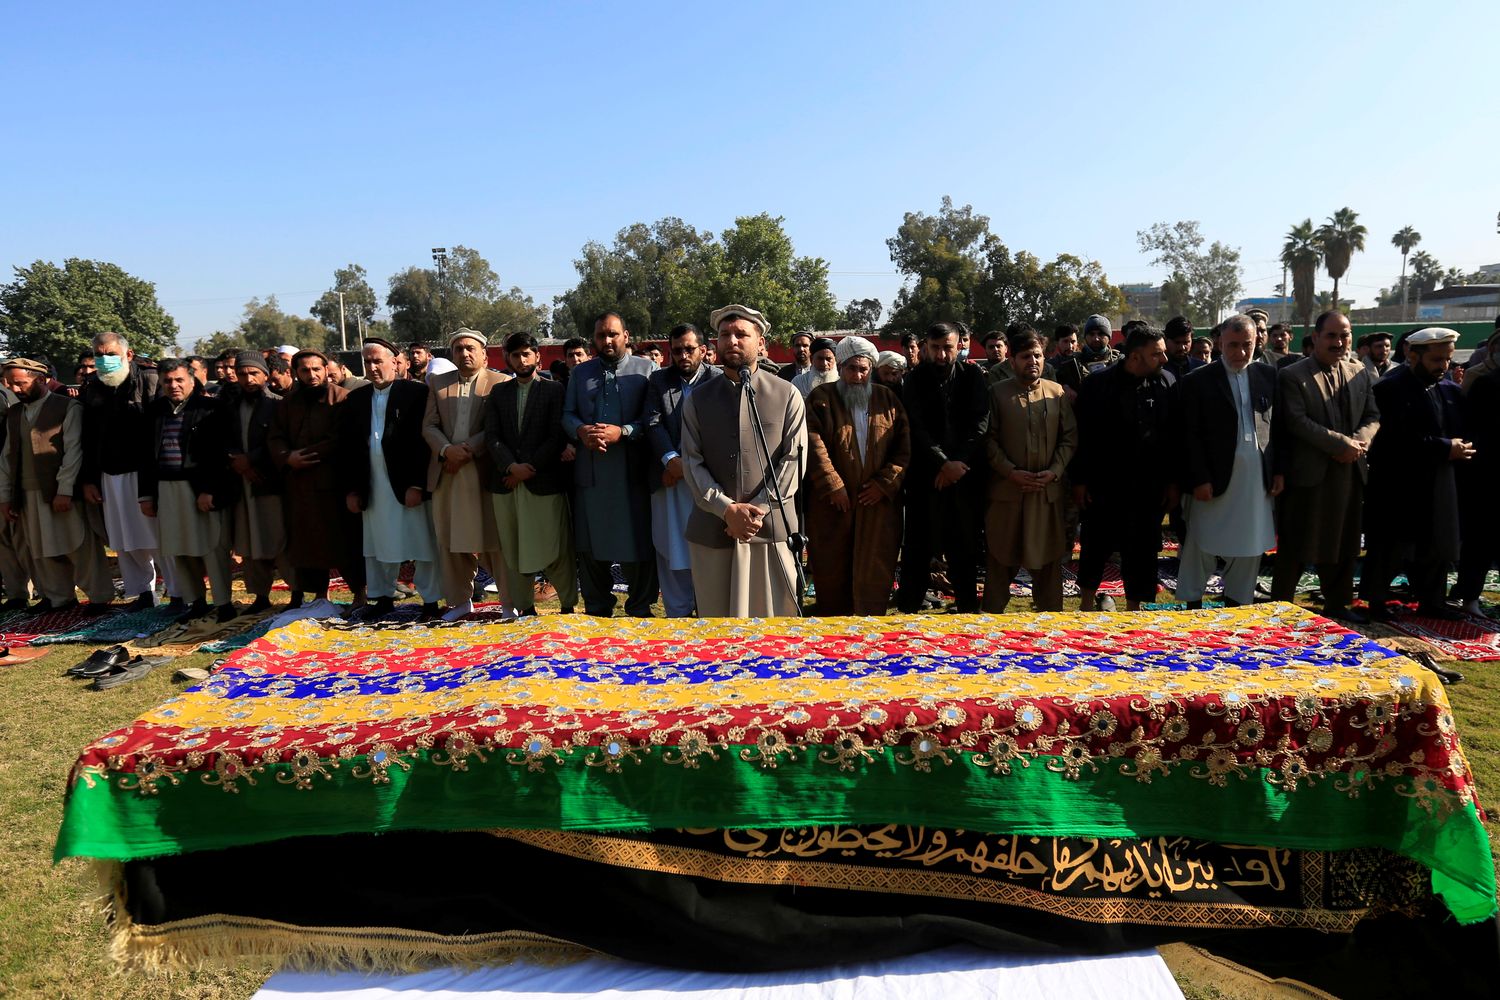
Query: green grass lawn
{"type": "Point", "coordinates": [53, 941]}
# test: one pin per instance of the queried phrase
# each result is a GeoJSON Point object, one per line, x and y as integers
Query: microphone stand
{"type": "Point", "coordinates": [795, 541]}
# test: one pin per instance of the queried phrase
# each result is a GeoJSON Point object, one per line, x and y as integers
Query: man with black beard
{"type": "Point", "coordinates": [737, 542]}
{"type": "Point", "coordinates": [115, 420]}
{"type": "Point", "coordinates": [1123, 472]}
{"type": "Point", "coordinates": [1411, 507]}
{"type": "Point", "coordinates": [1096, 353]}
{"type": "Point", "coordinates": [528, 479]}
{"type": "Point", "coordinates": [948, 409]}
{"type": "Point", "coordinates": [257, 529]}
{"type": "Point", "coordinates": [671, 496]}
{"type": "Point", "coordinates": [321, 533]}
{"type": "Point", "coordinates": [605, 412]}
{"type": "Point", "coordinates": [38, 472]}
{"type": "Point", "coordinates": [801, 356]}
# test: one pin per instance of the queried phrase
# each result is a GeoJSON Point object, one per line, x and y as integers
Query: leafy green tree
{"type": "Point", "coordinates": [358, 308]}
{"type": "Point", "coordinates": [958, 270]}
{"type": "Point", "coordinates": [1019, 287]}
{"type": "Point", "coordinates": [1342, 237]}
{"type": "Point", "coordinates": [54, 312]}
{"type": "Point", "coordinates": [1405, 240]}
{"type": "Point", "coordinates": [945, 258]}
{"type": "Point", "coordinates": [218, 342]}
{"type": "Point", "coordinates": [1302, 252]}
{"type": "Point", "coordinates": [861, 314]}
{"type": "Point", "coordinates": [1177, 300]}
{"type": "Point", "coordinates": [1213, 274]}
{"type": "Point", "coordinates": [755, 264]}
{"type": "Point", "coordinates": [264, 324]}
{"type": "Point", "coordinates": [647, 275]}
{"type": "Point", "coordinates": [427, 306]}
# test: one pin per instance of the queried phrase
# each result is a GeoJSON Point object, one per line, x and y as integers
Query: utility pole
{"type": "Point", "coordinates": [440, 258]}
{"type": "Point", "coordinates": [343, 337]}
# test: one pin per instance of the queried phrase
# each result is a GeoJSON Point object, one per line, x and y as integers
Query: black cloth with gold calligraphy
{"type": "Point", "coordinates": [773, 898]}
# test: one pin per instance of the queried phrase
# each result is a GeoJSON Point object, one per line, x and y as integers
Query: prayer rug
{"type": "Point", "coordinates": [25, 631]}
{"type": "Point", "coordinates": [1474, 639]}
{"type": "Point", "coordinates": [118, 627]}
{"type": "Point", "coordinates": [1265, 726]}
{"type": "Point", "coordinates": [24, 654]}
{"type": "Point", "coordinates": [1111, 583]}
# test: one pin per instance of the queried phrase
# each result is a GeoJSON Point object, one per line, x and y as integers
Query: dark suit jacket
{"type": "Point", "coordinates": [947, 422]}
{"type": "Point", "coordinates": [537, 440]}
{"type": "Point", "coordinates": [205, 450]}
{"type": "Point", "coordinates": [261, 419]}
{"type": "Point", "coordinates": [1211, 425]}
{"type": "Point", "coordinates": [664, 411]}
{"type": "Point", "coordinates": [1410, 447]}
{"type": "Point", "coordinates": [580, 407]}
{"type": "Point", "coordinates": [406, 453]}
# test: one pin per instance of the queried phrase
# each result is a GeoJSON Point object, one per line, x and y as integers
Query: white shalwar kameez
{"type": "Point", "coordinates": [394, 532]}
{"type": "Point", "coordinates": [1237, 526]}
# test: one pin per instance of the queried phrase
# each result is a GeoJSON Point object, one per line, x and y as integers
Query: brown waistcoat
{"type": "Point", "coordinates": [46, 441]}
{"type": "Point", "coordinates": [731, 450]}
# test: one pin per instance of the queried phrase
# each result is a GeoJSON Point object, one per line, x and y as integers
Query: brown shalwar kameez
{"type": "Point", "coordinates": [853, 555]}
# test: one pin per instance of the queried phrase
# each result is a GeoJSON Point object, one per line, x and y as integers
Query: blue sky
{"type": "Point", "coordinates": [228, 153]}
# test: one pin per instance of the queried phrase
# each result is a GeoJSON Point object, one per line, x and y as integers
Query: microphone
{"type": "Point", "coordinates": [745, 384]}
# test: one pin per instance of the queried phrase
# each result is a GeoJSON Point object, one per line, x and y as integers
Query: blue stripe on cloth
{"type": "Point", "coordinates": [1347, 650]}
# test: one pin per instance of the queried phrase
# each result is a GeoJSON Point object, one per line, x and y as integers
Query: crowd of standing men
{"type": "Point", "coordinates": [694, 477]}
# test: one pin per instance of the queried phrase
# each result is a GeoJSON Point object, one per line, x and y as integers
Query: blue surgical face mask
{"type": "Point", "coordinates": [108, 364]}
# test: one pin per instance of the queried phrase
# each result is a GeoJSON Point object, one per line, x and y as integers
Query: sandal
{"type": "Point", "coordinates": [125, 673]}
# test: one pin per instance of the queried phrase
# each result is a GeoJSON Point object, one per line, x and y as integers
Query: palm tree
{"type": "Point", "coordinates": [1342, 236]}
{"type": "Point", "coordinates": [1405, 240]}
{"type": "Point", "coordinates": [1302, 253]}
{"type": "Point", "coordinates": [1425, 273]}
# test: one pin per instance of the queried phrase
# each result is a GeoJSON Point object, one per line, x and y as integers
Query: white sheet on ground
{"type": "Point", "coordinates": [948, 974]}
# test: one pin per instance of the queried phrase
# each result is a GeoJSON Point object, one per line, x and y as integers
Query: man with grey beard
{"type": "Point", "coordinates": [859, 447]}
{"type": "Point", "coordinates": [1227, 482]}
{"type": "Point", "coordinates": [822, 371]}
{"type": "Point", "coordinates": [115, 419]}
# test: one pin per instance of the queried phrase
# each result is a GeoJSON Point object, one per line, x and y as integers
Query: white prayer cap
{"type": "Point", "coordinates": [1432, 335]}
{"type": "Point", "coordinates": [287, 349]}
{"type": "Point", "coordinates": [854, 347]}
{"type": "Point", "coordinates": [465, 333]}
{"type": "Point", "coordinates": [736, 311]}
{"type": "Point", "coordinates": [439, 366]}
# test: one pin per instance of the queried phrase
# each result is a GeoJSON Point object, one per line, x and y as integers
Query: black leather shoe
{"type": "Point", "coordinates": [224, 613]}
{"type": "Point", "coordinates": [192, 612]}
{"type": "Point", "coordinates": [108, 653]}
{"type": "Point", "coordinates": [14, 604]}
{"type": "Point", "coordinates": [1383, 613]}
{"type": "Point", "coordinates": [1352, 616]}
{"type": "Point", "coordinates": [117, 656]}
{"type": "Point", "coordinates": [145, 602]}
{"type": "Point", "coordinates": [1442, 612]}
{"type": "Point", "coordinates": [41, 607]}
{"type": "Point", "coordinates": [430, 612]}
{"type": "Point", "coordinates": [258, 605]}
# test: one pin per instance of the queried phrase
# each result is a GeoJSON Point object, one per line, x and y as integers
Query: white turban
{"type": "Point", "coordinates": [890, 358]}
{"type": "Point", "coordinates": [854, 347]}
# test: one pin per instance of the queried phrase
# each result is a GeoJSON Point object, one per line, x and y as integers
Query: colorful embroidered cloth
{"type": "Point", "coordinates": [114, 628]}
{"type": "Point", "coordinates": [26, 630]}
{"type": "Point", "coordinates": [1264, 725]}
{"type": "Point", "coordinates": [1475, 638]}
